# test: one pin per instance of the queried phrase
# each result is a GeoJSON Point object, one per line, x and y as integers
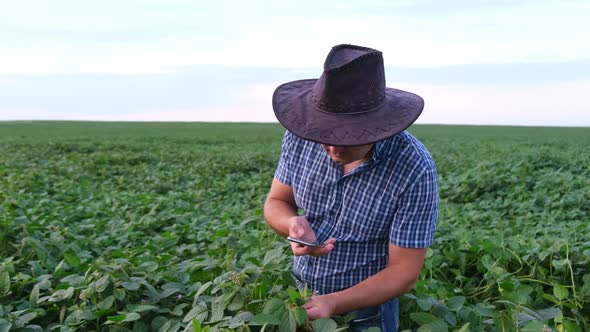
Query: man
{"type": "Point", "coordinates": [350, 177]}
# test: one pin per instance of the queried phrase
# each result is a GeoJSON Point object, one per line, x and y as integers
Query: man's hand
{"type": "Point", "coordinates": [321, 306]}
{"type": "Point", "coordinates": [299, 227]}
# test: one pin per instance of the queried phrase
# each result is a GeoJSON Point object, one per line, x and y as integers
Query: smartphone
{"type": "Point", "coordinates": [315, 244]}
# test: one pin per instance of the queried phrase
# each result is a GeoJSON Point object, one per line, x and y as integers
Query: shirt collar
{"type": "Point", "coordinates": [383, 149]}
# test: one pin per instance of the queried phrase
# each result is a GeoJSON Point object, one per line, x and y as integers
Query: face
{"type": "Point", "coordinates": [347, 154]}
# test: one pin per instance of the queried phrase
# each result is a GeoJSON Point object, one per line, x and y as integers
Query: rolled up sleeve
{"type": "Point", "coordinates": [417, 213]}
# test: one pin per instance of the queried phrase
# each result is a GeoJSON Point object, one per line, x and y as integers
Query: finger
{"type": "Point", "coordinates": [300, 250]}
{"type": "Point", "coordinates": [312, 313]}
{"type": "Point", "coordinates": [330, 241]}
{"type": "Point", "coordinates": [322, 251]}
{"type": "Point", "coordinates": [296, 231]}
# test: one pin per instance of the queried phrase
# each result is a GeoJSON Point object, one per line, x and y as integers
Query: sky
{"type": "Point", "coordinates": [495, 62]}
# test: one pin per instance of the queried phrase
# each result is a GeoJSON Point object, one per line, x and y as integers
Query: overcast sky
{"type": "Point", "coordinates": [474, 62]}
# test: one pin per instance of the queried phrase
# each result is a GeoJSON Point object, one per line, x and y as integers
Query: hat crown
{"type": "Point", "coordinates": [353, 81]}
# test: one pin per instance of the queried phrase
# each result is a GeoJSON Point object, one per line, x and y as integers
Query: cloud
{"type": "Point", "coordinates": [136, 37]}
{"type": "Point", "coordinates": [542, 104]}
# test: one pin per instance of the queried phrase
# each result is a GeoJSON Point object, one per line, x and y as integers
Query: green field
{"type": "Point", "coordinates": [159, 227]}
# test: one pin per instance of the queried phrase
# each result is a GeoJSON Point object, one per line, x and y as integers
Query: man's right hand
{"type": "Point", "coordinates": [299, 227]}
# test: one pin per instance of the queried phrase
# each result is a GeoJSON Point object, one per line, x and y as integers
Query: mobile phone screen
{"type": "Point", "coordinates": [315, 244]}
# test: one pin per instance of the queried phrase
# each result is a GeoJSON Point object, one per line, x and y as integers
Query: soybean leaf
{"type": "Point", "coordinates": [193, 313]}
{"type": "Point", "coordinates": [5, 326]}
{"type": "Point", "coordinates": [324, 325]}
{"type": "Point", "coordinates": [262, 319]}
{"type": "Point", "coordinates": [560, 292]}
{"type": "Point", "coordinates": [170, 326]}
{"type": "Point", "coordinates": [140, 307]}
{"type": "Point", "coordinates": [132, 286]}
{"type": "Point", "coordinates": [34, 296]}
{"type": "Point", "coordinates": [455, 303]}
{"type": "Point", "coordinates": [202, 289]}
{"type": "Point", "coordinates": [435, 326]}
{"type": "Point", "coordinates": [106, 303]}
{"type": "Point", "coordinates": [423, 317]}
{"type": "Point", "coordinates": [464, 328]}
{"type": "Point", "coordinates": [535, 326]}
{"type": "Point", "coordinates": [4, 283]}
{"type": "Point", "coordinates": [102, 284]}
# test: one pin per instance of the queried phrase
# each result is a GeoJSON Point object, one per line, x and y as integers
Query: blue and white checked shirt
{"type": "Point", "coordinates": [392, 197]}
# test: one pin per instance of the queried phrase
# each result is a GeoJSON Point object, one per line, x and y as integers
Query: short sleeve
{"type": "Point", "coordinates": [416, 217]}
{"type": "Point", "coordinates": [283, 171]}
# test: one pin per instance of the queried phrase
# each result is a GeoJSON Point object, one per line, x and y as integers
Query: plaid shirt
{"type": "Point", "coordinates": [391, 198]}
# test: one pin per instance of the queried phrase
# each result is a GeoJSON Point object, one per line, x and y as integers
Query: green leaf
{"type": "Point", "coordinates": [240, 319]}
{"type": "Point", "coordinates": [540, 315]}
{"type": "Point", "coordinates": [4, 283]}
{"type": "Point", "coordinates": [372, 329]}
{"type": "Point", "coordinates": [202, 289]}
{"type": "Point", "coordinates": [455, 303]}
{"type": "Point", "coordinates": [287, 321]}
{"type": "Point", "coordinates": [119, 294]}
{"type": "Point", "coordinates": [132, 316]}
{"type": "Point", "coordinates": [116, 319]}
{"type": "Point", "coordinates": [26, 318]}
{"type": "Point", "coordinates": [5, 326]}
{"type": "Point", "coordinates": [324, 325]}
{"type": "Point", "coordinates": [464, 328]}
{"type": "Point", "coordinates": [62, 294]}
{"type": "Point", "coordinates": [550, 298]}
{"type": "Point", "coordinates": [560, 292]}
{"type": "Point", "coordinates": [170, 326]}
{"type": "Point", "coordinates": [132, 286]}
{"type": "Point", "coordinates": [272, 256]}
{"type": "Point", "coordinates": [140, 326]}
{"type": "Point", "coordinates": [179, 309]}
{"type": "Point", "coordinates": [122, 318]}
{"type": "Point", "coordinates": [217, 308]}
{"type": "Point", "coordinates": [535, 326]}
{"type": "Point", "coordinates": [72, 260]}
{"type": "Point", "coordinates": [167, 292]}
{"type": "Point", "coordinates": [196, 325]}
{"type": "Point", "coordinates": [262, 318]}
{"type": "Point", "coordinates": [504, 323]}
{"type": "Point", "coordinates": [237, 304]}
{"type": "Point", "coordinates": [436, 326]}
{"type": "Point", "coordinates": [571, 326]}
{"type": "Point", "coordinates": [423, 317]}
{"type": "Point", "coordinates": [273, 305]}
{"type": "Point", "coordinates": [140, 307]}
{"type": "Point", "coordinates": [425, 303]}
{"type": "Point", "coordinates": [102, 284]}
{"type": "Point", "coordinates": [294, 295]}
{"type": "Point", "coordinates": [158, 322]}
{"type": "Point", "coordinates": [300, 315]}
{"type": "Point", "coordinates": [194, 312]}
{"type": "Point", "coordinates": [34, 296]}
{"type": "Point", "coordinates": [106, 303]}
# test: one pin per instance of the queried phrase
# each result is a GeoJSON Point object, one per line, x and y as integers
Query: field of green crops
{"type": "Point", "coordinates": [159, 227]}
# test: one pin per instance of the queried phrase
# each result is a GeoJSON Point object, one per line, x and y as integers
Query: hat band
{"type": "Point", "coordinates": [350, 113]}
{"type": "Point", "coordinates": [348, 109]}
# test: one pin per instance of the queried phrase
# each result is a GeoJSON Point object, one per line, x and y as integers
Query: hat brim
{"type": "Point", "coordinates": [295, 111]}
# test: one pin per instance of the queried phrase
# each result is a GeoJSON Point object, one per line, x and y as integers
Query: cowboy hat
{"type": "Point", "coordinates": [349, 104]}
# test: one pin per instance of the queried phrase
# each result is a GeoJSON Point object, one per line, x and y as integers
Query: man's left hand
{"type": "Point", "coordinates": [321, 306]}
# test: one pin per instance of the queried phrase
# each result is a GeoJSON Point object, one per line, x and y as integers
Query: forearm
{"type": "Point", "coordinates": [277, 214]}
{"type": "Point", "coordinates": [373, 291]}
